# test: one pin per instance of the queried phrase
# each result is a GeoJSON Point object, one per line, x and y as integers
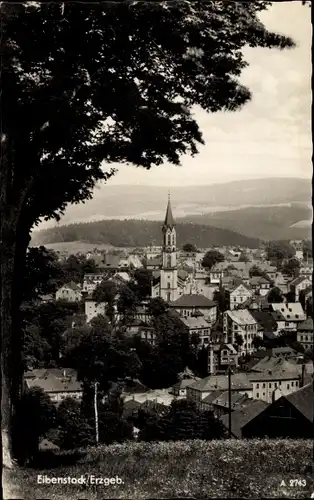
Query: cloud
{"type": "Point", "coordinates": [271, 135]}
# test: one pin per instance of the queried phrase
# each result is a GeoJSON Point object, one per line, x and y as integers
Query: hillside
{"type": "Point", "coordinates": [148, 202]}
{"type": "Point", "coordinates": [280, 222]}
{"type": "Point", "coordinates": [138, 233]}
{"type": "Point", "coordinates": [206, 469]}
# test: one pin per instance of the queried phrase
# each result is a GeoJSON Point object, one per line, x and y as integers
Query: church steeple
{"type": "Point", "coordinates": [169, 220]}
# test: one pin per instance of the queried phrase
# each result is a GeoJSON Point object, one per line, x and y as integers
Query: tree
{"type": "Point", "coordinates": [275, 296]}
{"type": "Point", "coordinates": [211, 258]}
{"type": "Point", "coordinates": [64, 112]}
{"type": "Point", "coordinates": [142, 283]}
{"type": "Point", "coordinates": [74, 430]}
{"type": "Point", "coordinates": [239, 340]}
{"type": "Point", "coordinates": [220, 297]}
{"type": "Point", "coordinates": [189, 248]}
{"type": "Point", "coordinates": [257, 342]}
{"type": "Point", "coordinates": [279, 251]}
{"type": "Point", "coordinates": [35, 415]}
{"type": "Point", "coordinates": [157, 306]}
{"type": "Point", "coordinates": [182, 421]}
{"type": "Point", "coordinates": [291, 267]}
{"type": "Point", "coordinates": [127, 303]}
{"type": "Point", "coordinates": [43, 273]}
{"type": "Point", "coordinates": [307, 250]}
{"type": "Point", "coordinates": [106, 291]}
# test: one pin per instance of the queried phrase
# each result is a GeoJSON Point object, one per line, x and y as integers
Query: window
{"type": "Point", "coordinates": [264, 385]}
{"type": "Point", "coordinates": [168, 285]}
{"type": "Point", "coordinates": [257, 395]}
{"type": "Point", "coordinates": [257, 386]}
{"type": "Point", "coordinates": [288, 386]}
{"type": "Point", "coordinates": [292, 384]}
{"type": "Point", "coordinates": [169, 239]}
{"type": "Point", "coordinates": [276, 385]}
{"type": "Point", "coordinates": [269, 385]}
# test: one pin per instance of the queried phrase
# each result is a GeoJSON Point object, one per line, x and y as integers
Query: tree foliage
{"type": "Point", "coordinates": [275, 296]}
{"type": "Point", "coordinates": [182, 421]}
{"type": "Point", "coordinates": [35, 416]}
{"type": "Point", "coordinates": [74, 430]}
{"type": "Point", "coordinates": [211, 258]}
{"type": "Point", "coordinates": [279, 251]}
{"type": "Point", "coordinates": [189, 247]}
{"type": "Point", "coordinates": [291, 267]}
{"type": "Point", "coordinates": [43, 273]}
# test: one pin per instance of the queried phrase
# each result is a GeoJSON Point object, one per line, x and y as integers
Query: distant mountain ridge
{"type": "Point", "coordinates": [138, 233]}
{"type": "Point", "coordinates": [269, 223]}
{"type": "Point", "coordinates": [149, 201]}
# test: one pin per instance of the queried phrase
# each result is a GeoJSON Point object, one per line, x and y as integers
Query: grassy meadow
{"type": "Point", "coordinates": [203, 469]}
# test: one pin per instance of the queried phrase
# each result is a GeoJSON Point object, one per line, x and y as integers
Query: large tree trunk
{"type": "Point", "coordinates": [11, 201]}
{"type": "Point", "coordinates": [8, 354]}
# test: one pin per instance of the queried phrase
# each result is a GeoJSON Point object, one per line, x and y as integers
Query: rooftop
{"type": "Point", "coordinates": [242, 316]}
{"type": "Point", "coordinates": [220, 382]}
{"type": "Point", "coordinates": [243, 416]}
{"type": "Point", "coordinates": [306, 326]}
{"type": "Point", "coordinates": [193, 300]}
{"type": "Point", "coordinates": [303, 400]}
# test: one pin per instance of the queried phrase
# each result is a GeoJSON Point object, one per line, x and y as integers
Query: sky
{"type": "Point", "coordinates": [271, 135]}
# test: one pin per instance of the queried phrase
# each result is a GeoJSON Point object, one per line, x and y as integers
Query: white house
{"type": "Point", "coordinates": [92, 309]}
{"type": "Point", "coordinates": [70, 292]}
{"type": "Point", "coordinates": [299, 284]}
{"type": "Point", "coordinates": [240, 322]}
{"type": "Point", "coordinates": [239, 294]}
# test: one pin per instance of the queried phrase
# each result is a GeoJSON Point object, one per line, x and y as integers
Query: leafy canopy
{"type": "Point", "coordinates": [114, 82]}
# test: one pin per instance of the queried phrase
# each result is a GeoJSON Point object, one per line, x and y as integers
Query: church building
{"type": "Point", "coordinates": [169, 282]}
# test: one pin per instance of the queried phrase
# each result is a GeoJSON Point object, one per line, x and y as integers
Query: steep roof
{"type": "Point", "coordinates": [169, 220]}
{"type": "Point", "coordinates": [242, 316]}
{"type": "Point", "coordinates": [274, 364]}
{"type": "Point", "coordinates": [192, 300]}
{"type": "Point", "coordinates": [220, 382]}
{"type": "Point", "coordinates": [241, 417]}
{"type": "Point", "coordinates": [212, 396]}
{"type": "Point", "coordinates": [306, 326]}
{"type": "Point", "coordinates": [290, 311]}
{"type": "Point", "coordinates": [265, 320]}
{"type": "Point", "coordinates": [195, 322]}
{"type": "Point", "coordinates": [298, 280]}
{"type": "Point", "coordinates": [54, 384]}
{"type": "Point", "coordinates": [303, 400]}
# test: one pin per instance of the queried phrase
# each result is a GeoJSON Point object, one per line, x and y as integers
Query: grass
{"type": "Point", "coordinates": [216, 469]}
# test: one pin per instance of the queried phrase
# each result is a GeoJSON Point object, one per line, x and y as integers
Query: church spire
{"type": "Point", "coordinates": [169, 220]}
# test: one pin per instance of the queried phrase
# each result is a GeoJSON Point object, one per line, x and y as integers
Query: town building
{"type": "Point", "coordinates": [240, 417]}
{"type": "Point", "coordinates": [288, 417]}
{"type": "Point", "coordinates": [240, 323]}
{"type": "Point", "coordinates": [70, 292]}
{"type": "Point", "coordinates": [237, 295]}
{"type": "Point", "coordinates": [199, 326]}
{"type": "Point", "coordinates": [287, 315]}
{"type": "Point", "coordinates": [299, 284]}
{"type": "Point", "coordinates": [305, 333]}
{"type": "Point", "coordinates": [199, 390]}
{"type": "Point", "coordinates": [58, 384]}
{"type": "Point", "coordinates": [93, 309]}
{"type": "Point", "coordinates": [195, 305]}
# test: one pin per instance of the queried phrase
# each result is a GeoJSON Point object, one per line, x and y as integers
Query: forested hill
{"type": "Point", "coordinates": [126, 233]}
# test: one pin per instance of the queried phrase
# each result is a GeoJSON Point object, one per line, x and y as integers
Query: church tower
{"type": "Point", "coordinates": [168, 271]}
